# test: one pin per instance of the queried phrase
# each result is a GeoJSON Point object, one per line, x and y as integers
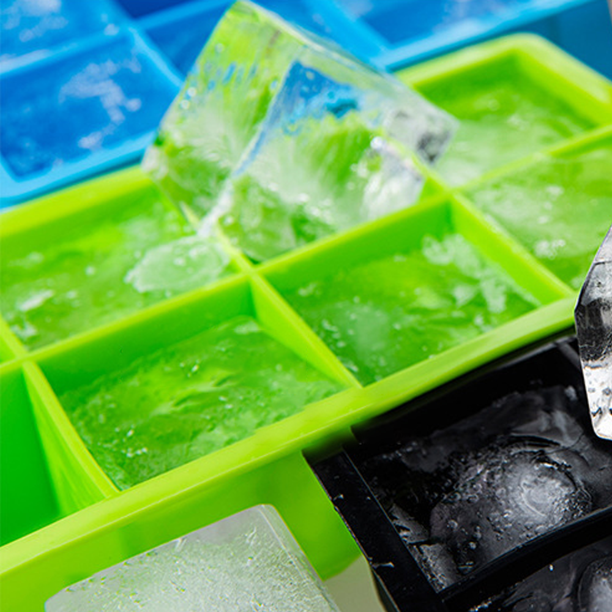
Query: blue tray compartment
{"type": "Point", "coordinates": [80, 111]}
{"type": "Point", "coordinates": [409, 31]}
{"type": "Point", "coordinates": [31, 30]}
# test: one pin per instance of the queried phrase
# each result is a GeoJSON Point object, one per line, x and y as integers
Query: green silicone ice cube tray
{"type": "Point", "coordinates": [378, 315]}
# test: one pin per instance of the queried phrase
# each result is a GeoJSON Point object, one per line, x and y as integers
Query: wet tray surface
{"type": "Point", "coordinates": [114, 66]}
{"type": "Point", "coordinates": [122, 299]}
{"type": "Point", "coordinates": [459, 495]}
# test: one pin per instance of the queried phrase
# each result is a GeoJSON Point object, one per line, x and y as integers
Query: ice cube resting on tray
{"type": "Point", "coordinates": [594, 327]}
{"type": "Point", "coordinates": [189, 399]}
{"type": "Point", "coordinates": [470, 491]}
{"type": "Point", "coordinates": [249, 561]}
{"type": "Point", "coordinates": [284, 139]}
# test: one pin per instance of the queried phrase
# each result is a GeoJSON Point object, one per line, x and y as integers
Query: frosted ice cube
{"type": "Point", "coordinates": [594, 328]}
{"type": "Point", "coordinates": [248, 561]}
{"type": "Point", "coordinates": [247, 79]}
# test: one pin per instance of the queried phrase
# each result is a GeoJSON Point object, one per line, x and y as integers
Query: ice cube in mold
{"type": "Point", "coordinates": [594, 330]}
{"type": "Point", "coordinates": [245, 75]}
{"type": "Point", "coordinates": [27, 495]}
{"type": "Point", "coordinates": [97, 266]}
{"type": "Point", "coordinates": [188, 399]}
{"type": "Point", "coordinates": [401, 303]}
{"type": "Point", "coordinates": [559, 207]}
{"type": "Point", "coordinates": [249, 561]}
{"type": "Point", "coordinates": [94, 101]}
{"type": "Point", "coordinates": [474, 476]}
{"type": "Point", "coordinates": [580, 579]}
{"type": "Point", "coordinates": [507, 109]}
{"type": "Point", "coordinates": [31, 28]}
{"type": "Point", "coordinates": [469, 492]}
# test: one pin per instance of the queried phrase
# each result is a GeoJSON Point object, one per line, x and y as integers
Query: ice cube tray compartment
{"type": "Point", "coordinates": [23, 508]}
{"type": "Point", "coordinates": [266, 467]}
{"type": "Point", "coordinates": [567, 189]}
{"type": "Point", "coordinates": [405, 32]}
{"type": "Point", "coordinates": [509, 105]}
{"type": "Point", "coordinates": [378, 294]}
{"type": "Point", "coordinates": [31, 31]}
{"type": "Point", "coordinates": [379, 482]}
{"type": "Point", "coordinates": [99, 262]}
{"type": "Point", "coordinates": [102, 103]}
{"type": "Point", "coordinates": [286, 377]}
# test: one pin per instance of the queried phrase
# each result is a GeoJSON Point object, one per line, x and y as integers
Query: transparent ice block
{"type": "Point", "coordinates": [473, 490]}
{"type": "Point", "coordinates": [261, 93]}
{"type": "Point", "coordinates": [317, 167]}
{"type": "Point", "coordinates": [594, 328]}
{"type": "Point", "coordinates": [245, 563]}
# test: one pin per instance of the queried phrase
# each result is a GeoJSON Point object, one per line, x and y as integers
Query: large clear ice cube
{"type": "Point", "coordinates": [471, 491]}
{"type": "Point", "coordinates": [248, 561]}
{"type": "Point", "coordinates": [594, 328]}
{"type": "Point", "coordinates": [318, 167]}
{"type": "Point", "coordinates": [311, 140]}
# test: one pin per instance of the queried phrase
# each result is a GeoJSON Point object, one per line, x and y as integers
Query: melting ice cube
{"type": "Point", "coordinates": [285, 139]}
{"type": "Point", "coordinates": [594, 328]}
{"type": "Point", "coordinates": [248, 561]}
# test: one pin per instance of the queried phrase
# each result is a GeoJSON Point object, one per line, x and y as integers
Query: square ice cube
{"type": "Point", "coordinates": [250, 79]}
{"type": "Point", "coordinates": [594, 328]}
{"type": "Point", "coordinates": [249, 561]}
{"type": "Point", "coordinates": [322, 163]}
{"type": "Point", "coordinates": [485, 469]}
